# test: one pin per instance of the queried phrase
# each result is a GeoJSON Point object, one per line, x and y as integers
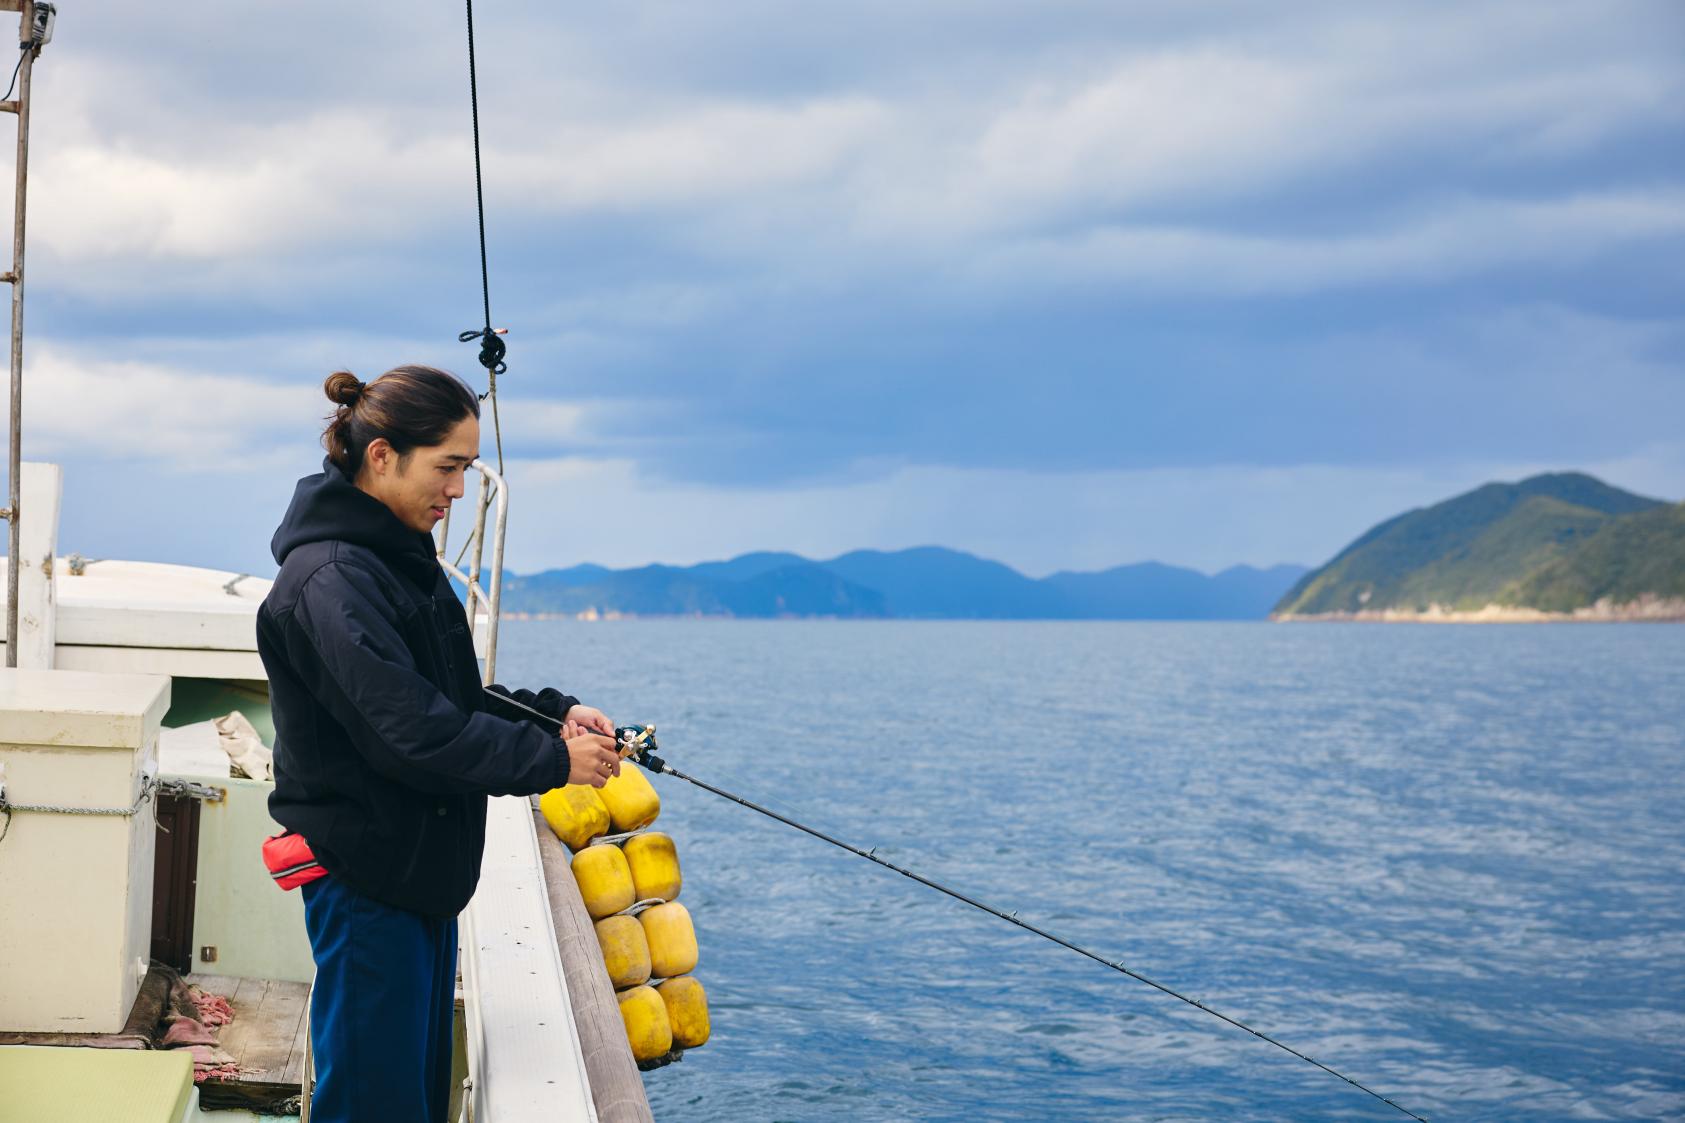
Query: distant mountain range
{"type": "Point", "coordinates": [1559, 543]}
{"type": "Point", "coordinates": [924, 583]}
{"type": "Point", "coordinates": [1562, 543]}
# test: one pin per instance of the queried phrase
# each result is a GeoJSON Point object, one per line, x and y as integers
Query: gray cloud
{"type": "Point", "coordinates": [765, 254]}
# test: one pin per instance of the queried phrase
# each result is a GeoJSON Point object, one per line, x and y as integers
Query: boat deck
{"type": "Point", "coordinates": [266, 1038]}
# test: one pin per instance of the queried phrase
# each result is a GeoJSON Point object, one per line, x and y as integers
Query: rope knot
{"type": "Point", "coordinates": [492, 347]}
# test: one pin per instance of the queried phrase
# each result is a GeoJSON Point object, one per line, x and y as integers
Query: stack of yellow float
{"type": "Point", "coordinates": [629, 881]}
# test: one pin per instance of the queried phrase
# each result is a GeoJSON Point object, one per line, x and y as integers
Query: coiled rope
{"type": "Point", "coordinates": [655, 764]}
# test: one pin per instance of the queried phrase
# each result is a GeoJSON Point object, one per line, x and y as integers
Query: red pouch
{"type": "Point", "coordinates": [290, 860]}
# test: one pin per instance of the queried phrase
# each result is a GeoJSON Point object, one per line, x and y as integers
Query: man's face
{"type": "Point", "coordinates": [419, 487]}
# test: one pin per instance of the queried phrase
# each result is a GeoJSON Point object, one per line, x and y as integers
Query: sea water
{"type": "Point", "coordinates": [1448, 861]}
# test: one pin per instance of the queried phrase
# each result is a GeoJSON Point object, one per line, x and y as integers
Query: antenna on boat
{"type": "Point", "coordinates": [35, 30]}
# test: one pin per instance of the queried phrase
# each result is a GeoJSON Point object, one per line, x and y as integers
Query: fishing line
{"type": "Point", "coordinates": [655, 764]}
{"type": "Point", "coordinates": [492, 353]}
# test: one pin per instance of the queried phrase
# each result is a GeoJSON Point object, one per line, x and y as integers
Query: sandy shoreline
{"type": "Point", "coordinates": [1643, 610]}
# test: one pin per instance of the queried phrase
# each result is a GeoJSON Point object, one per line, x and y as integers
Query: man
{"type": "Point", "coordinates": [385, 750]}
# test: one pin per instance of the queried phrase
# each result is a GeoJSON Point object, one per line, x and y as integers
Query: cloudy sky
{"type": "Point", "coordinates": [1068, 284]}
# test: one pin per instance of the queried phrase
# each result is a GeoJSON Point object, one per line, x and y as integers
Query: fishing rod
{"type": "Point", "coordinates": [637, 743]}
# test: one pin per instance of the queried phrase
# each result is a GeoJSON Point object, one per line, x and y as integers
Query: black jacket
{"type": "Point", "coordinates": [384, 749]}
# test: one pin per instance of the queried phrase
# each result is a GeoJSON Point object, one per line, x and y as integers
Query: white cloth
{"type": "Point", "coordinates": [251, 757]}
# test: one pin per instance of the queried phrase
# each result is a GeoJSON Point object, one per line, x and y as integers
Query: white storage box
{"type": "Point", "coordinates": [76, 890]}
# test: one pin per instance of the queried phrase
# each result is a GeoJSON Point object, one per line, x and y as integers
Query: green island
{"type": "Point", "coordinates": [1559, 546]}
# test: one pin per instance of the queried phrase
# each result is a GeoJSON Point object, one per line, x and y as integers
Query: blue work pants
{"type": "Point", "coordinates": [380, 1016]}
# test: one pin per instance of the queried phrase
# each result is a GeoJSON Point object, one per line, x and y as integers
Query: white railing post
{"type": "Point", "coordinates": [489, 479]}
{"type": "Point", "coordinates": [41, 487]}
{"type": "Point", "coordinates": [478, 538]}
{"type": "Point", "coordinates": [496, 603]}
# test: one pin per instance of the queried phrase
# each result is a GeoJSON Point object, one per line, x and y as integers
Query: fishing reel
{"type": "Point", "coordinates": [636, 743]}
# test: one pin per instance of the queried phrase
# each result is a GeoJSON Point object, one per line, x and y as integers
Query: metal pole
{"type": "Point", "coordinates": [495, 608]}
{"type": "Point", "coordinates": [478, 538]}
{"type": "Point", "coordinates": [444, 536]}
{"type": "Point", "coordinates": [15, 451]}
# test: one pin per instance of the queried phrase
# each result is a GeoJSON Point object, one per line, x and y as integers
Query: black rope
{"type": "Point", "coordinates": [23, 50]}
{"type": "Point", "coordinates": [492, 348]}
{"type": "Point", "coordinates": [491, 341]}
{"type": "Point", "coordinates": [656, 764]}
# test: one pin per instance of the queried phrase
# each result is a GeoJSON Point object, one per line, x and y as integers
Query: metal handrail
{"type": "Point", "coordinates": [489, 478]}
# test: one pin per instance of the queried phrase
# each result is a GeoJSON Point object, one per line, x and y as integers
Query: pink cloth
{"type": "Point", "coordinates": [185, 1031]}
{"type": "Point", "coordinates": [195, 1033]}
{"type": "Point", "coordinates": [225, 1071]}
{"type": "Point", "coordinates": [214, 1009]}
{"type": "Point", "coordinates": [209, 1055]}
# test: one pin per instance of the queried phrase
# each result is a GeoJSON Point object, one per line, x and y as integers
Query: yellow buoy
{"type": "Point", "coordinates": [687, 1010]}
{"type": "Point", "coordinates": [632, 803]}
{"type": "Point", "coordinates": [625, 950]}
{"type": "Point", "coordinates": [672, 939]}
{"type": "Point", "coordinates": [576, 813]}
{"type": "Point", "coordinates": [655, 866]}
{"type": "Point", "coordinates": [605, 880]}
{"type": "Point", "coordinates": [647, 1029]}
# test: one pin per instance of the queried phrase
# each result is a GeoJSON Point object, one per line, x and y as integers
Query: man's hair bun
{"type": "Point", "coordinates": [410, 406]}
{"type": "Point", "coordinates": [343, 388]}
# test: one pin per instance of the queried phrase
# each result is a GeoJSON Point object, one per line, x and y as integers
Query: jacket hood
{"type": "Point", "coordinates": [328, 506]}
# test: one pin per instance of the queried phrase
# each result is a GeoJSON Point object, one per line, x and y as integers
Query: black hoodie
{"type": "Point", "coordinates": [384, 750]}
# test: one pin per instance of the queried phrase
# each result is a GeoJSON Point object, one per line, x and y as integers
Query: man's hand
{"type": "Point", "coordinates": [589, 717]}
{"type": "Point", "coordinates": [592, 758]}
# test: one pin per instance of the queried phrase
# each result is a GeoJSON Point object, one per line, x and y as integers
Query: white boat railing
{"type": "Point", "coordinates": [476, 544]}
{"type": "Point", "coordinates": [525, 1059]}
{"type": "Point", "coordinates": [525, 1062]}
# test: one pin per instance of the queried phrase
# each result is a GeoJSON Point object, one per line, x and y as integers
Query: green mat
{"type": "Point", "coordinates": [72, 1085]}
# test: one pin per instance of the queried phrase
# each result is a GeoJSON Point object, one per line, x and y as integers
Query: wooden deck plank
{"type": "Point", "coordinates": [247, 1001]}
{"type": "Point", "coordinates": [224, 985]}
{"type": "Point", "coordinates": [266, 1037]}
{"type": "Point", "coordinates": [270, 1044]}
{"type": "Point", "coordinates": [294, 1072]}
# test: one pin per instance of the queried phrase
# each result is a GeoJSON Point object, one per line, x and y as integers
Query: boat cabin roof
{"type": "Point", "coordinates": [152, 617]}
{"type": "Point", "coordinates": [157, 618]}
